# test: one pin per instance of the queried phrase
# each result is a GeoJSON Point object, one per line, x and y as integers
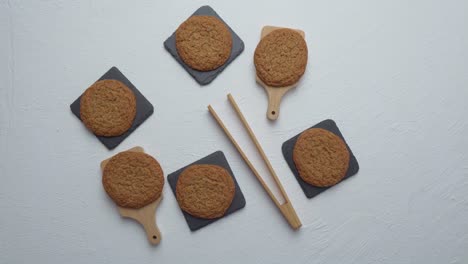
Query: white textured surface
{"type": "Point", "coordinates": [393, 74]}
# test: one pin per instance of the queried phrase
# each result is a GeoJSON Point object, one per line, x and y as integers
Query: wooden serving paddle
{"type": "Point", "coordinates": [146, 215]}
{"type": "Point", "coordinates": [275, 93]}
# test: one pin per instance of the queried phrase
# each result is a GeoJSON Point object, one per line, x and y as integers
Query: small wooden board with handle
{"type": "Point", "coordinates": [146, 215]}
{"type": "Point", "coordinates": [275, 94]}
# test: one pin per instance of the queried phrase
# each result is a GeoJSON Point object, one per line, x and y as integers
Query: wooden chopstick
{"type": "Point", "coordinates": [246, 159]}
{"type": "Point", "coordinates": [286, 208]}
{"type": "Point", "coordinates": [257, 144]}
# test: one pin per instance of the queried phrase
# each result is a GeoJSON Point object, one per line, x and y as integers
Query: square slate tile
{"type": "Point", "coordinates": [144, 108]}
{"type": "Point", "coordinates": [216, 158]}
{"type": "Point", "coordinates": [288, 147]}
{"type": "Point", "coordinates": [207, 77]}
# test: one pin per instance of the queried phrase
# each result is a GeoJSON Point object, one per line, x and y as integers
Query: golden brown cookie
{"type": "Point", "coordinates": [281, 57]}
{"type": "Point", "coordinates": [205, 191]}
{"type": "Point", "coordinates": [203, 42]}
{"type": "Point", "coordinates": [108, 108]}
{"type": "Point", "coordinates": [133, 179]}
{"type": "Point", "coordinates": [321, 157]}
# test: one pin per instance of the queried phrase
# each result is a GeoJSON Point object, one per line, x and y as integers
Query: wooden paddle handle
{"type": "Point", "coordinates": [152, 231]}
{"type": "Point", "coordinates": [146, 216]}
{"type": "Point", "coordinates": [274, 100]}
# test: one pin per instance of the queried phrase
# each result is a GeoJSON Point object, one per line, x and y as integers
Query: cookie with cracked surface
{"type": "Point", "coordinates": [108, 108]}
{"type": "Point", "coordinates": [281, 57]}
{"type": "Point", "coordinates": [133, 179]}
{"type": "Point", "coordinates": [321, 157]}
{"type": "Point", "coordinates": [203, 42]}
{"type": "Point", "coordinates": [205, 191]}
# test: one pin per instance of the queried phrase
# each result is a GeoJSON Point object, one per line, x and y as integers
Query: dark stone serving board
{"type": "Point", "coordinates": [202, 77]}
{"type": "Point", "coordinates": [144, 108]}
{"type": "Point", "coordinates": [288, 147]}
{"type": "Point", "coordinates": [216, 158]}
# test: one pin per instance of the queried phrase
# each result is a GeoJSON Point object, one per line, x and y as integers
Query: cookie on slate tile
{"type": "Point", "coordinates": [108, 108]}
{"type": "Point", "coordinates": [281, 57]}
{"type": "Point", "coordinates": [133, 179]}
{"type": "Point", "coordinates": [203, 42]}
{"type": "Point", "coordinates": [321, 157]}
{"type": "Point", "coordinates": [205, 191]}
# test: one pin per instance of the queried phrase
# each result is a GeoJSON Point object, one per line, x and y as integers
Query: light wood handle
{"type": "Point", "coordinates": [146, 216]}
{"type": "Point", "coordinates": [274, 99]}
{"type": "Point", "coordinates": [151, 228]}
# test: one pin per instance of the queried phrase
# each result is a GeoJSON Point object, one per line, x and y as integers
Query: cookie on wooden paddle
{"type": "Point", "coordinates": [281, 57]}
{"type": "Point", "coordinates": [321, 157]}
{"type": "Point", "coordinates": [133, 179]}
{"type": "Point", "coordinates": [108, 108]}
{"type": "Point", "coordinates": [203, 42]}
{"type": "Point", "coordinates": [205, 191]}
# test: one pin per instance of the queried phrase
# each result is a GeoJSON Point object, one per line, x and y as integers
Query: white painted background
{"type": "Point", "coordinates": [393, 75]}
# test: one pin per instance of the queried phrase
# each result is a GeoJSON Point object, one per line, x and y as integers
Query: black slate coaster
{"type": "Point", "coordinates": [288, 146]}
{"type": "Point", "coordinates": [216, 158]}
{"type": "Point", "coordinates": [201, 77]}
{"type": "Point", "coordinates": [143, 108]}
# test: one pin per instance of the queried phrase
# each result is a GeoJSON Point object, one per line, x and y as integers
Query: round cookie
{"type": "Point", "coordinates": [281, 57]}
{"type": "Point", "coordinates": [108, 108]}
{"type": "Point", "coordinates": [205, 191]}
{"type": "Point", "coordinates": [133, 179]}
{"type": "Point", "coordinates": [203, 42]}
{"type": "Point", "coordinates": [321, 157]}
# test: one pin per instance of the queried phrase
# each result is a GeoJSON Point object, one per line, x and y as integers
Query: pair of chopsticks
{"type": "Point", "coordinates": [286, 208]}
